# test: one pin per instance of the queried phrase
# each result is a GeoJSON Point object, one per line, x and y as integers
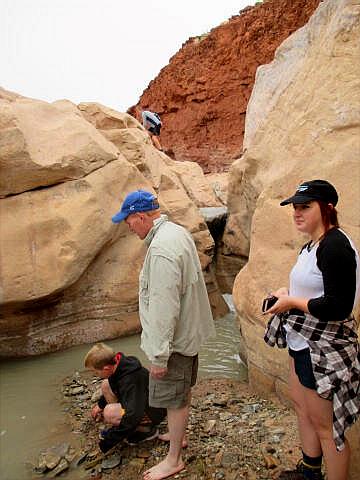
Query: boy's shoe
{"type": "Point", "coordinates": [300, 473]}
{"type": "Point", "coordinates": [103, 433]}
{"type": "Point", "coordinates": [109, 438]}
{"type": "Point", "coordinates": [139, 437]}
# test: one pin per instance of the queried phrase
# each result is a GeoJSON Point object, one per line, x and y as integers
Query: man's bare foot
{"type": "Point", "coordinates": [162, 470]}
{"type": "Point", "coordinates": [165, 437]}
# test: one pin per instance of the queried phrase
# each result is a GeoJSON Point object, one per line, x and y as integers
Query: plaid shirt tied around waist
{"type": "Point", "coordinates": [335, 358]}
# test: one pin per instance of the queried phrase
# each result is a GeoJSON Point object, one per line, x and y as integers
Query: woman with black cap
{"type": "Point", "coordinates": [314, 319]}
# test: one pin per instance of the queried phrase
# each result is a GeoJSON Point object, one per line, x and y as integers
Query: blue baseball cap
{"type": "Point", "coordinates": [139, 201]}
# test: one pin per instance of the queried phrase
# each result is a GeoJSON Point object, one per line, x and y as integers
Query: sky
{"type": "Point", "coordinates": [104, 51]}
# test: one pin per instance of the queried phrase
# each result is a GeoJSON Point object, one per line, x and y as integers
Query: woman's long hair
{"type": "Point", "coordinates": [329, 215]}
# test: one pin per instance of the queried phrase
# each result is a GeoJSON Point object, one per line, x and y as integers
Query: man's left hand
{"type": "Point", "coordinates": [158, 372]}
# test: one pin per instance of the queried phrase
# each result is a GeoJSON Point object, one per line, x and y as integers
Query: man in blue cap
{"type": "Point", "coordinates": [175, 315]}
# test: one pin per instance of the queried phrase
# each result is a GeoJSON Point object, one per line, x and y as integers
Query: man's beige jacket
{"type": "Point", "coordinates": [174, 308]}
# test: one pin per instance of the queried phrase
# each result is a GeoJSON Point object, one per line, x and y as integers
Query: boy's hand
{"type": "Point", "coordinates": [96, 412]}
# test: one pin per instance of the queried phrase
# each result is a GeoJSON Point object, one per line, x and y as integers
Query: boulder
{"type": "Point", "coordinates": [42, 145]}
{"type": "Point", "coordinates": [196, 184]}
{"type": "Point", "coordinates": [53, 234]}
{"type": "Point", "coordinates": [8, 96]}
{"type": "Point", "coordinates": [303, 123]}
{"type": "Point", "coordinates": [181, 186]}
{"type": "Point", "coordinates": [134, 143]}
{"type": "Point", "coordinates": [219, 183]}
{"type": "Point", "coordinates": [69, 275]}
{"type": "Point", "coordinates": [67, 106]}
{"type": "Point", "coordinates": [105, 118]}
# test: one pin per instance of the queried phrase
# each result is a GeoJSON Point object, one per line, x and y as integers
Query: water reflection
{"type": "Point", "coordinates": [31, 416]}
{"type": "Point", "coordinates": [220, 356]}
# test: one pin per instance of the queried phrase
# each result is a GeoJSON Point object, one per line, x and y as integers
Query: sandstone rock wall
{"type": "Point", "coordinates": [303, 123]}
{"type": "Point", "coordinates": [203, 93]}
{"type": "Point", "coordinates": [68, 275]}
{"type": "Point", "coordinates": [42, 145]}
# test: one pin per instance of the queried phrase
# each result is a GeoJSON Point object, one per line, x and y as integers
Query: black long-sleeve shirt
{"type": "Point", "coordinates": [129, 383]}
{"type": "Point", "coordinates": [336, 259]}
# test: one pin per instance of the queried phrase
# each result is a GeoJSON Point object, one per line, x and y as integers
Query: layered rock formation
{"type": "Point", "coordinates": [303, 123]}
{"type": "Point", "coordinates": [203, 93]}
{"type": "Point", "coordinates": [68, 275]}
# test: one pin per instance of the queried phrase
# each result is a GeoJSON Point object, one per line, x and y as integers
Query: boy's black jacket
{"type": "Point", "coordinates": [130, 384]}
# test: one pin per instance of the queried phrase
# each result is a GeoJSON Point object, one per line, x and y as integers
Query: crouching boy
{"type": "Point", "coordinates": [124, 402]}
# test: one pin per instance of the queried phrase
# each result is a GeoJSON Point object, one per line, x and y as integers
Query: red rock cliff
{"type": "Point", "coordinates": [203, 93]}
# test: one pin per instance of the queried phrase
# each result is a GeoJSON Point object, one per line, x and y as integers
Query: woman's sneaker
{"type": "Point", "coordinates": [139, 437]}
{"type": "Point", "coordinates": [300, 473]}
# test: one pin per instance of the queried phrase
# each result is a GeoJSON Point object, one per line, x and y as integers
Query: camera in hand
{"type": "Point", "coordinates": [269, 302]}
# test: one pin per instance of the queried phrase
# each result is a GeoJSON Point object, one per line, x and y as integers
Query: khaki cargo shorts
{"type": "Point", "coordinates": [173, 390]}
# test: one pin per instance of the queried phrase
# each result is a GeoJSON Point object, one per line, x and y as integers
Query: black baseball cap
{"type": "Point", "coordinates": [313, 190]}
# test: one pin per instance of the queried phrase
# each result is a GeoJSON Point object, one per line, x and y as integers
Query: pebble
{"type": "Point", "coordinates": [210, 426]}
{"type": "Point", "coordinates": [96, 395]}
{"type": "Point", "coordinates": [270, 461]}
{"type": "Point", "coordinates": [143, 454]}
{"type": "Point", "coordinates": [41, 466]}
{"type": "Point", "coordinates": [61, 467]}
{"type": "Point", "coordinates": [78, 460]}
{"type": "Point", "coordinates": [137, 462]}
{"type": "Point", "coordinates": [51, 460]}
{"type": "Point", "coordinates": [77, 390]}
{"type": "Point", "coordinates": [111, 462]}
{"type": "Point", "coordinates": [275, 439]}
{"type": "Point", "coordinates": [232, 435]}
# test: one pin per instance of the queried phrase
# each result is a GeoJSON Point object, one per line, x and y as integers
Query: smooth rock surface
{"type": "Point", "coordinates": [42, 145]}
{"type": "Point", "coordinates": [69, 275]}
{"type": "Point", "coordinates": [311, 130]}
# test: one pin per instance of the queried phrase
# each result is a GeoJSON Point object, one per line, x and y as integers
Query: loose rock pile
{"type": "Point", "coordinates": [232, 434]}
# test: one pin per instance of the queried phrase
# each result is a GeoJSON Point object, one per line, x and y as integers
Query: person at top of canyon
{"type": "Point", "coordinates": [314, 319]}
{"type": "Point", "coordinates": [124, 401]}
{"type": "Point", "coordinates": [152, 123]}
{"type": "Point", "coordinates": [175, 316]}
